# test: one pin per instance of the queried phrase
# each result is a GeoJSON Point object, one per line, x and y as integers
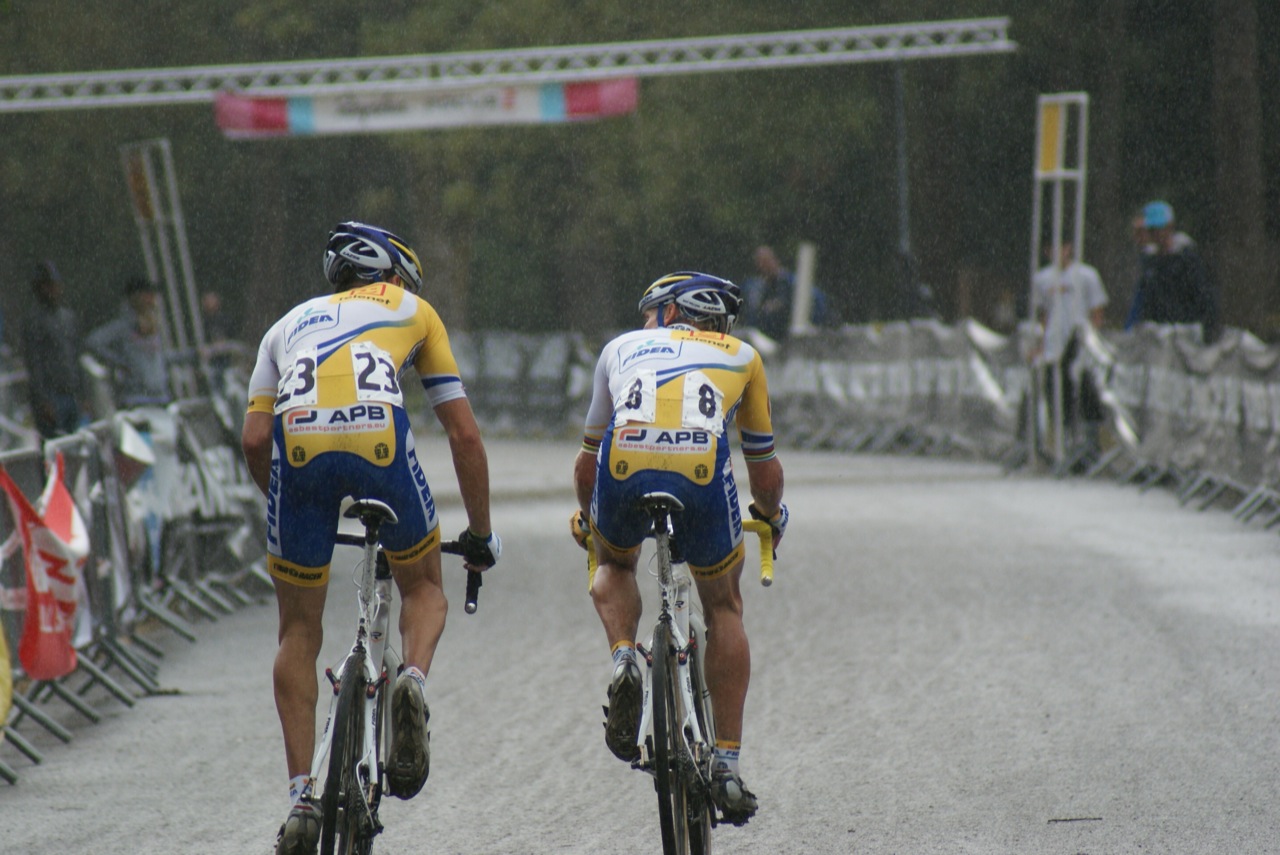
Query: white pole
{"type": "Point", "coordinates": [802, 299]}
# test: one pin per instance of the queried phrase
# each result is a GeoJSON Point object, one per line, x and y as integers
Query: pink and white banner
{"type": "Point", "coordinates": [241, 117]}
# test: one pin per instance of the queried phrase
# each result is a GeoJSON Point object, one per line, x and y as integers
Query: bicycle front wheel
{"type": "Point", "coordinates": [343, 828]}
{"type": "Point", "coordinates": [670, 763]}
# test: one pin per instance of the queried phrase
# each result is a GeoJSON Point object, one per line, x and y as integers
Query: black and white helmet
{"type": "Point", "coordinates": [371, 254]}
{"type": "Point", "coordinates": [700, 297]}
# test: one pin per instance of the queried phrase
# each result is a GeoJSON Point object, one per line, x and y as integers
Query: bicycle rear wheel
{"type": "Point", "coordinates": [670, 763]}
{"type": "Point", "coordinates": [701, 811]}
{"type": "Point", "coordinates": [342, 829]}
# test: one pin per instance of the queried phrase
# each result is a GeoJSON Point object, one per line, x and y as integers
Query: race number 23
{"type": "Point", "coordinates": [375, 373]}
{"type": "Point", "coordinates": [297, 387]}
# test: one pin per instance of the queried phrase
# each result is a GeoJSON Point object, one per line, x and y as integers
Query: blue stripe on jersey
{"type": "Point", "coordinates": [668, 374]}
{"type": "Point", "coordinates": [332, 346]}
{"type": "Point", "coordinates": [757, 447]}
{"type": "Point", "coordinates": [443, 387]}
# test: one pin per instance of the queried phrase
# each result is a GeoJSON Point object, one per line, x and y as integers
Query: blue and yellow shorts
{"type": "Point", "coordinates": [305, 497]}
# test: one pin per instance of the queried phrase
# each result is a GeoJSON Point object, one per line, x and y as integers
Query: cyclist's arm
{"type": "Point", "coordinates": [765, 479]}
{"type": "Point", "coordinates": [470, 462]}
{"type": "Point", "coordinates": [255, 441]}
{"type": "Point", "coordinates": [584, 480]}
{"type": "Point", "coordinates": [599, 414]}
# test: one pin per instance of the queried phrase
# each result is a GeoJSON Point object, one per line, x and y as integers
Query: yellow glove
{"type": "Point", "coordinates": [579, 528]}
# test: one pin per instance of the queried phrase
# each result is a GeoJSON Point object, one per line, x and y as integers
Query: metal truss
{"type": "Point", "coordinates": [167, 86]}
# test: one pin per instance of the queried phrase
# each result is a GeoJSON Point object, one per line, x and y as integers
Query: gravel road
{"type": "Point", "coordinates": [950, 661]}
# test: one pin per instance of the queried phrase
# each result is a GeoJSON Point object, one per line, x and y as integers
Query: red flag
{"type": "Point", "coordinates": [55, 550]}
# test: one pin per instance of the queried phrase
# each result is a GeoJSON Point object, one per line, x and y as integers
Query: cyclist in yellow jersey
{"type": "Point", "coordinates": [326, 420]}
{"type": "Point", "coordinates": [662, 402]}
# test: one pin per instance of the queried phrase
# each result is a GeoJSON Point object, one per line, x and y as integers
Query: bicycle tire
{"type": "Point", "coordinates": [340, 829]}
{"type": "Point", "coordinates": [391, 665]}
{"type": "Point", "coordinates": [701, 810]}
{"type": "Point", "coordinates": [669, 778]}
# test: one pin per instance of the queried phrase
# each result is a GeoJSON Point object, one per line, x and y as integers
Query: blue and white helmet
{"type": "Point", "coordinates": [700, 297]}
{"type": "Point", "coordinates": [371, 254]}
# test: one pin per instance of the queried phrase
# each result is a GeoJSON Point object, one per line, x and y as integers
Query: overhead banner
{"type": "Point", "coordinates": [241, 117]}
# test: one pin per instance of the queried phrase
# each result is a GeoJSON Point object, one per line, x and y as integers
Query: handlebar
{"type": "Point", "coordinates": [452, 547]}
{"type": "Point", "coordinates": [764, 533]}
{"type": "Point", "coordinates": [474, 579]}
{"type": "Point", "coordinates": [761, 529]}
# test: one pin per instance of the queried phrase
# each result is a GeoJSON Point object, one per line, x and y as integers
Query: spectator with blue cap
{"type": "Point", "coordinates": [1173, 282]}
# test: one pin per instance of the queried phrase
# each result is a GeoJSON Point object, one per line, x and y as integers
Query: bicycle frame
{"type": "Point", "coordinates": [686, 627]}
{"type": "Point", "coordinates": [370, 657]}
{"type": "Point", "coordinates": [684, 793]}
{"type": "Point", "coordinates": [354, 780]}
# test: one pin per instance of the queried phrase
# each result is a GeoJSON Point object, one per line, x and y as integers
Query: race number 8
{"type": "Point", "coordinates": [638, 400]}
{"type": "Point", "coordinates": [703, 403]}
{"type": "Point", "coordinates": [297, 387]}
{"type": "Point", "coordinates": [375, 374]}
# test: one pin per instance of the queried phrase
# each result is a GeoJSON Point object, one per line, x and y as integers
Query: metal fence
{"type": "Point", "coordinates": [177, 529]}
{"type": "Point", "coordinates": [175, 537]}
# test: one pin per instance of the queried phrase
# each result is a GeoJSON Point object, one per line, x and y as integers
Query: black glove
{"type": "Point", "coordinates": [480, 551]}
{"type": "Point", "coordinates": [777, 522]}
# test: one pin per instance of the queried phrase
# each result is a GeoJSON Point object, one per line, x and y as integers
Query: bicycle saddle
{"type": "Point", "coordinates": [371, 512]}
{"type": "Point", "coordinates": [661, 502]}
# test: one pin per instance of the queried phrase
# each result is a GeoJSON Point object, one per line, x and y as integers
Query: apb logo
{"type": "Point", "coordinates": [298, 454]}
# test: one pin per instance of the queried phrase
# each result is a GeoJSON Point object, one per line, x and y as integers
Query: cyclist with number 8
{"type": "Point", "coordinates": [662, 401]}
{"type": "Point", "coordinates": [326, 420]}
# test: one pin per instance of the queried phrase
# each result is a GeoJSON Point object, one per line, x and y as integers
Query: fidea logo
{"type": "Point", "coordinates": [652, 348]}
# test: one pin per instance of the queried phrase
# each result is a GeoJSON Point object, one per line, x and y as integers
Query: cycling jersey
{"type": "Point", "coordinates": [661, 404]}
{"type": "Point", "coordinates": [330, 371]}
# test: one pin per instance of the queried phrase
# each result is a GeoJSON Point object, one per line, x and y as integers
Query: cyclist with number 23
{"type": "Point", "coordinates": [662, 402]}
{"type": "Point", "coordinates": [326, 420]}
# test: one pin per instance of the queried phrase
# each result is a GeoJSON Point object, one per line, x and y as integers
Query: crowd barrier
{"type": "Point", "coordinates": [174, 527]}
{"type": "Point", "coordinates": [1201, 419]}
{"type": "Point", "coordinates": [171, 532]}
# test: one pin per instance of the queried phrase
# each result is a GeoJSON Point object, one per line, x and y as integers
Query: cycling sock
{"type": "Point", "coordinates": [725, 756]}
{"type": "Point", "coordinates": [299, 786]}
{"type": "Point", "coordinates": [623, 650]}
{"type": "Point", "coordinates": [418, 677]}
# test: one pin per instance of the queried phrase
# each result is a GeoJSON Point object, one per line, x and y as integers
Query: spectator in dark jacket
{"type": "Point", "coordinates": [51, 352]}
{"type": "Point", "coordinates": [1173, 281]}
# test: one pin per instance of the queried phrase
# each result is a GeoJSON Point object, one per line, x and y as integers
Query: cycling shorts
{"type": "Point", "coordinates": [708, 530]}
{"type": "Point", "coordinates": [304, 501]}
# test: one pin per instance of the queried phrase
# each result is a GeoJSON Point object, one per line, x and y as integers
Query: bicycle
{"type": "Point", "coordinates": [677, 729]}
{"type": "Point", "coordinates": [352, 750]}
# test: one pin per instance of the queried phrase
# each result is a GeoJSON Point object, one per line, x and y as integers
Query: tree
{"type": "Point", "coordinates": [1246, 263]}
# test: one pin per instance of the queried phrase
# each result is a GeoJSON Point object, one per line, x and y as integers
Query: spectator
{"type": "Point", "coordinates": [1067, 299]}
{"type": "Point", "coordinates": [133, 348]}
{"type": "Point", "coordinates": [767, 297]}
{"type": "Point", "coordinates": [213, 320]}
{"type": "Point", "coordinates": [218, 351]}
{"type": "Point", "coordinates": [1173, 283]}
{"type": "Point", "coordinates": [51, 352]}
